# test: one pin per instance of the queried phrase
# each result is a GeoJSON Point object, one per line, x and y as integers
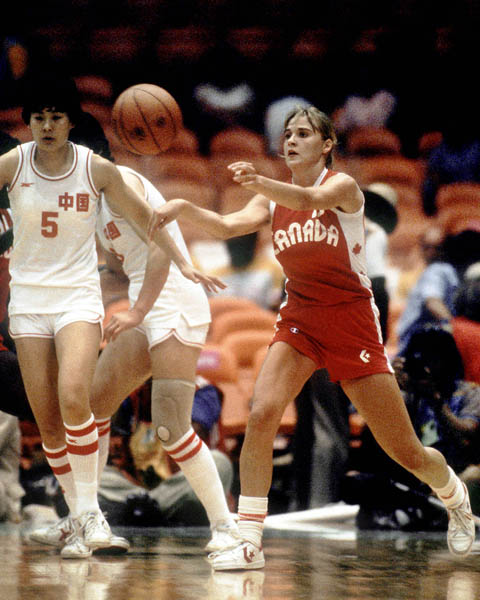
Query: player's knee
{"type": "Point", "coordinates": [265, 414]}
{"type": "Point", "coordinates": [172, 401]}
{"type": "Point", "coordinates": [73, 392]}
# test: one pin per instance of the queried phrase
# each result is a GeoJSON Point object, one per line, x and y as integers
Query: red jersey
{"type": "Point", "coordinates": [329, 313]}
{"type": "Point", "coordinates": [322, 253]}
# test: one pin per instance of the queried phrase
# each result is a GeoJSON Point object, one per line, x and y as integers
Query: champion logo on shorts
{"type": "Point", "coordinates": [293, 329]}
{"type": "Point", "coordinates": [365, 356]}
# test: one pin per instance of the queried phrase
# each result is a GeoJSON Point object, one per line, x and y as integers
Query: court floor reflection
{"type": "Point", "coordinates": [328, 563]}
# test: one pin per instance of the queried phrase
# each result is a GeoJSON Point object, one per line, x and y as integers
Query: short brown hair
{"type": "Point", "coordinates": [320, 122]}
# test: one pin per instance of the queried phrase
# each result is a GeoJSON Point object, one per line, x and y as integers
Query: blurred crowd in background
{"type": "Point", "coordinates": [397, 79]}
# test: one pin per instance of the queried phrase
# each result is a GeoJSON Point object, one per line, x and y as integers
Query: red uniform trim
{"type": "Point", "coordinates": [62, 470]}
{"type": "Point", "coordinates": [56, 453]}
{"type": "Point", "coordinates": [252, 517]}
{"type": "Point", "coordinates": [104, 430]}
{"type": "Point", "coordinates": [83, 450]}
{"type": "Point", "coordinates": [80, 432]}
{"type": "Point", "coordinates": [182, 446]}
{"type": "Point", "coordinates": [190, 454]}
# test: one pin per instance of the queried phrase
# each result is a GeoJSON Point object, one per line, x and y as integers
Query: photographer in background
{"type": "Point", "coordinates": [445, 409]}
{"type": "Point", "coordinates": [445, 412]}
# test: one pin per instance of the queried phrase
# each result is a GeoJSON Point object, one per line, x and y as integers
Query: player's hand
{"type": "Point", "coordinates": [211, 284]}
{"type": "Point", "coordinates": [121, 321]}
{"type": "Point", "coordinates": [164, 215]}
{"type": "Point", "coordinates": [243, 172]}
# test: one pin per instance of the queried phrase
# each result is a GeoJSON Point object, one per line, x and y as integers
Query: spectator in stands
{"type": "Point", "coordinates": [445, 409]}
{"type": "Point", "coordinates": [432, 298]}
{"type": "Point", "coordinates": [11, 492]}
{"type": "Point", "coordinates": [466, 324]}
{"type": "Point", "coordinates": [14, 62]}
{"type": "Point", "coordinates": [429, 250]}
{"type": "Point", "coordinates": [457, 157]}
{"type": "Point", "coordinates": [321, 442]}
{"type": "Point", "coordinates": [380, 221]}
{"type": "Point", "coordinates": [225, 92]}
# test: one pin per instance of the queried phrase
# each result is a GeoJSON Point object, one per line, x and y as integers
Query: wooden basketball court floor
{"type": "Point", "coordinates": [330, 561]}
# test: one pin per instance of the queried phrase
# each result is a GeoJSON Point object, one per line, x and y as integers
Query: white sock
{"type": "Point", "coordinates": [103, 426]}
{"type": "Point", "coordinates": [198, 466]}
{"type": "Point", "coordinates": [82, 448]}
{"type": "Point", "coordinates": [453, 493]}
{"type": "Point", "coordinates": [252, 512]}
{"type": "Point", "coordinates": [57, 458]}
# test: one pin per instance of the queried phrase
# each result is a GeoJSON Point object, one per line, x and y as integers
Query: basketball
{"type": "Point", "coordinates": [146, 119]}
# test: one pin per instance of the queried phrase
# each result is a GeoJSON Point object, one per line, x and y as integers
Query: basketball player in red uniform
{"type": "Point", "coordinates": [328, 319]}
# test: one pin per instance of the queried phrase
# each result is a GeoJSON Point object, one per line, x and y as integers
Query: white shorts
{"type": "Point", "coordinates": [48, 325]}
{"type": "Point", "coordinates": [185, 333]}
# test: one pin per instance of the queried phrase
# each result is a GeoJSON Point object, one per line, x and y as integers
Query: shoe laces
{"type": "Point", "coordinates": [92, 521]}
{"type": "Point", "coordinates": [460, 520]}
{"type": "Point", "coordinates": [225, 527]}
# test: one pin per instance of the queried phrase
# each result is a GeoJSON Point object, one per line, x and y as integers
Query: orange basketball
{"type": "Point", "coordinates": [146, 118]}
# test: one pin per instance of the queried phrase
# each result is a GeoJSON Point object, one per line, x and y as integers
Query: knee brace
{"type": "Point", "coordinates": [172, 401]}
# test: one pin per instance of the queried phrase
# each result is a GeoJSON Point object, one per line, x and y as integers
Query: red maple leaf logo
{"type": "Point", "coordinates": [248, 555]}
{"type": "Point", "coordinates": [356, 249]}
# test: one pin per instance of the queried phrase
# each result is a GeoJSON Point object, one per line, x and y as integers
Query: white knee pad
{"type": "Point", "coordinates": [172, 401]}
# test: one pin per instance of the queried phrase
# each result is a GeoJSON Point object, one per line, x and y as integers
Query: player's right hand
{"type": "Point", "coordinates": [164, 215]}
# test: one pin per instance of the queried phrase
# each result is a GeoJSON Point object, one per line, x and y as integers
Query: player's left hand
{"type": "Point", "coordinates": [211, 284]}
{"type": "Point", "coordinates": [121, 321]}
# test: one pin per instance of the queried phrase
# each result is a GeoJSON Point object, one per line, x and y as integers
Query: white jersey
{"type": "Point", "coordinates": [53, 263]}
{"type": "Point", "coordinates": [179, 296]}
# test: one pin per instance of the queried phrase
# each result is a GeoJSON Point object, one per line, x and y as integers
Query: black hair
{"type": "Point", "coordinates": [467, 301]}
{"type": "Point", "coordinates": [433, 347]}
{"type": "Point", "coordinates": [462, 249]}
{"type": "Point", "coordinates": [51, 91]}
{"type": "Point", "coordinates": [88, 132]}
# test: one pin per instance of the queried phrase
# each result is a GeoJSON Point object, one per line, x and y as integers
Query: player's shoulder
{"type": "Point", "coordinates": [103, 170]}
{"type": "Point", "coordinates": [340, 178]}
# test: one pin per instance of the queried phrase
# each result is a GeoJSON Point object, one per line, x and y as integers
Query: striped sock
{"type": "Point", "coordinates": [453, 493]}
{"type": "Point", "coordinates": [252, 512]}
{"type": "Point", "coordinates": [82, 449]}
{"type": "Point", "coordinates": [103, 426]}
{"type": "Point", "coordinates": [198, 466]}
{"type": "Point", "coordinates": [58, 460]}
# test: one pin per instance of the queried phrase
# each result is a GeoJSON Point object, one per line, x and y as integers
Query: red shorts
{"type": "Point", "coordinates": [345, 339]}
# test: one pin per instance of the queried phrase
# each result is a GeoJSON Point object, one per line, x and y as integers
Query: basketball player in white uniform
{"type": "Point", "coordinates": [56, 308]}
{"type": "Point", "coordinates": [162, 335]}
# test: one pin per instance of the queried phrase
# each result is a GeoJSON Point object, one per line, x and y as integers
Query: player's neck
{"type": "Point", "coordinates": [54, 163]}
{"type": "Point", "coordinates": [307, 176]}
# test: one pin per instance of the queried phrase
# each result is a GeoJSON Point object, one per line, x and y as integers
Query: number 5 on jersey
{"type": "Point", "coordinates": [49, 225]}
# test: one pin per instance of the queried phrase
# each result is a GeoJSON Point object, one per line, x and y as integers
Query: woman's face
{"type": "Point", "coordinates": [50, 129]}
{"type": "Point", "coordinates": [303, 145]}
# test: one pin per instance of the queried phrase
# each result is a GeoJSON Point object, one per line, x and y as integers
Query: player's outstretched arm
{"type": "Point", "coordinates": [255, 214]}
{"type": "Point", "coordinates": [340, 191]}
{"type": "Point", "coordinates": [130, 205]}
